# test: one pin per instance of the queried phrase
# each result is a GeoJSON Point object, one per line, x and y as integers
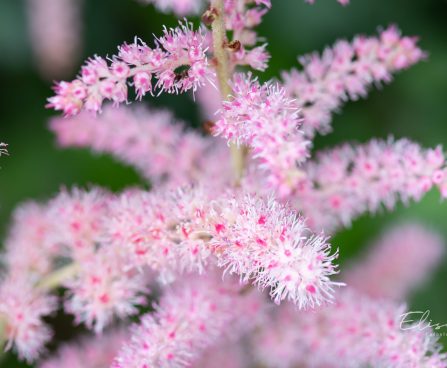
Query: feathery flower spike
{"type": "Point", "coordinates": [345, 71]}
{"type": "Point", "coordinates": [178, 63]}
{"type": "Point", "coordinates": [402, 260]}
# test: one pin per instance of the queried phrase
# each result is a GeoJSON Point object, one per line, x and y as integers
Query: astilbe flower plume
{"type": "Point", "coordinates": [212, 235]}
{"type": "Point", "coordinates": [31, 225]}
{"type": "Point", "coordinates": [178, 63]}
{"type": "Point", "coordinates": [400, 261]}
{"type": "Point", "coordinates": [114, 240]}
{"type": "Point", "coordinates": [151, 140]}
{"type": "Point", "coordinates": [193, 315]}
{"type": "Point", "coordinates": [21, 310]}
{"type": "Point", "coordinates": [356, 331]}
{"type": "Point", "coordinates": [265, 119]}
{"type": "Point", "coordinates": [105, 288]}
{"type": "Point", "coordinates": [258, 240]}
{"type": "Point", "coordinates": [347, 181]}
{"type": "Point", "coordinates": [345, 71]}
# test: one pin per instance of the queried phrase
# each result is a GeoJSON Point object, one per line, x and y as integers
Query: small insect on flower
{"type": "Point", "coordinates": [3, 149]}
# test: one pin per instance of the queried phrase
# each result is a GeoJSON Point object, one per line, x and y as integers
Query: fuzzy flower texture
{"type": "Point", "coordinates": [218, 267]}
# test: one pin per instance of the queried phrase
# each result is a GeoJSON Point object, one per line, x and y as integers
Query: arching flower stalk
{"type": "Point", "coordinates": [344, 72]}
{"type": "Point", "coordinates": [347, 181]}
{"type": "Point", "coordinates": [178, 62]}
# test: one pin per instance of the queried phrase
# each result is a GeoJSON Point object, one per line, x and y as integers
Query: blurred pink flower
{"type": "Point", "coordinates": [55, 29]}
{"type": "Point", "coordinates": [354, 332]}
{"type": "Point", "coordinates": [399, 262]}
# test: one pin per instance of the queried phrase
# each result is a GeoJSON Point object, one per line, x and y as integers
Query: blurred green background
{"type": "Point", "coordinates": [414, 105]}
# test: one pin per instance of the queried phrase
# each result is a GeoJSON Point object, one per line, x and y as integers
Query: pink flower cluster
{"type": "Point", "coordinates": [21, 310]}
{"type": "Point", "coordinates": [265, 119]}
{"type": "Point", "coordinates": [356, 331]}
{"type": "Point", "coordinates": [258, 240]}
{"type": "Point", "coordinates": [240, 18]}
{"type": "Point", "coordinates": [344, 72]}
{"type": "Point", "coordinates": [178, 63]}
{"type": "Point", "coordinates": [113, 240]}
{"type": "Point", "coordinates": [203, 243]}
{"type": "Point", "coordinates": [190, 317]}
{"type": "Point", "coordinates": [56, 44]}
{"type": "Point", "coordinates": [99, 351]}
{"type": "Point", "coordinates": [151, 140]}
{"type": "Point", "coordinates": [344, 182]}
{"type": "Point", "coordinates": [398, 263]}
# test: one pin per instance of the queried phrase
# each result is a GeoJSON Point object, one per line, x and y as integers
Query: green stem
{"type": "Point", "coordinates": [224, 75]}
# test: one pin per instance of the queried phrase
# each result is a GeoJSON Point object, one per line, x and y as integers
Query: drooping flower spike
{"type": "Point", "coordinates": [342, 183]}
{"type": "Point", "coordinates": [178, 63]}
{"type": "Point", "coordinates": [346, 71]}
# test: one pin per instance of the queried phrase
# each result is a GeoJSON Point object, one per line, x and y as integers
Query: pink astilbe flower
{"type": "Point", "coordinates": [104, 288]}
{"type": "Point", "coordinates": [240, 18]}
{"type": "Point", "coordinates": [21, 310]}
{"type": "Point", "coordinates": [55, 30]}
{"type": "Point", "coordinates": [151, 140]}
{"type": "Point", "coordinates": [355, 332]}
{"type": "Point", "coordinates": [77, 216]}
{"type": "Point", "coordinates": [344, 72]}
{"type": "Point", "coordinates": [265, 241]}
{"type": "Point", "coordinates": [265, 119]}
{"type": "Point", "coordinates": [178, 63]}
{"type": "Point", "coordinates": [88, 352]}
{"type": "Point", "coordinates": [178, 7]}
{"type": "Point", "coordinates": [401, 261]}
{"type": "Point", "coordinates": [349, 180]}
{"type": "Point", "coordinates": [189, 318]}
{"type": "Point", "coordinates": [29, 249]}
{"type": "Point", "coordinates": [256, 239]}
